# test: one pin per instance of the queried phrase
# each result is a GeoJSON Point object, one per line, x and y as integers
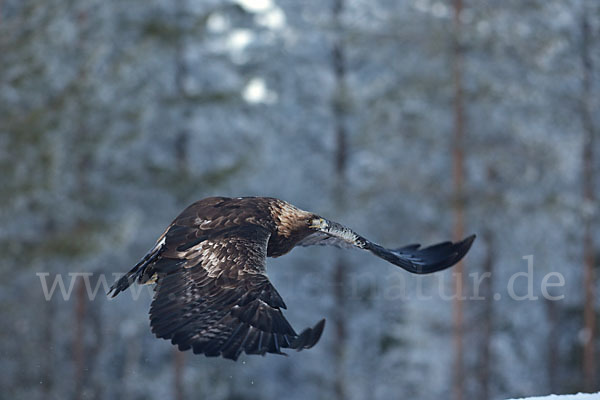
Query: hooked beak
{"type": "Point", "coordinates": [319, 224]}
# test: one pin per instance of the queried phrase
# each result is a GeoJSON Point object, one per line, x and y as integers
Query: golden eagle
{"type": "Point", "coordinates": [212, 293]}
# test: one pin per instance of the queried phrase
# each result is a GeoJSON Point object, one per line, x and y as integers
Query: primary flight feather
{"type": "Point", "coordinates": [212, 293]}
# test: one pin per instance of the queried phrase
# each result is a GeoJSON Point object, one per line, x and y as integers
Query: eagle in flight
{"type": "Point", "coordinates": [212, 293]}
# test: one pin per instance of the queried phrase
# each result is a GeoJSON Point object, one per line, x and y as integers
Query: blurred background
{"type": "Point", "coordinates": [407, 120]}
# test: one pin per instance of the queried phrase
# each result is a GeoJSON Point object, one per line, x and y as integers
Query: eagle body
{"type": "Point", "coordinates": [212, 294]}
{"type": "Point", "coordinates": [286, 223]}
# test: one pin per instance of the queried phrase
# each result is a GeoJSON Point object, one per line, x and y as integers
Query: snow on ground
{"type": "Point", "coordinates": [578, 396]}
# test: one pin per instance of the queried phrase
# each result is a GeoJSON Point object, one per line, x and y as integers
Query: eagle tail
{"type": "Point", "coordinates": [309, 337]}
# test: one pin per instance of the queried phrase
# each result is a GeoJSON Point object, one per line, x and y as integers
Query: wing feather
{"type": "Point", "coordinates": [411, 258]}
{"type": "Point", "coordinates": [427, 260]}
{"type": "Point", "coordinates": [324, 239]}
{"type": "Point", "coordinates": [214, 297]}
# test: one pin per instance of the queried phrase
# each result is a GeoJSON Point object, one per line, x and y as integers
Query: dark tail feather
{"type": "Point", "coordinates": [424, 261]}
{"type": "Point", "coordinates": [308, 337]}
{"type": "Point", "coordinates": [140, 272]}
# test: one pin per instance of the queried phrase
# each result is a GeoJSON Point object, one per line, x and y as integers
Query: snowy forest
{"type": "Point", "coordinates": [411, 121]}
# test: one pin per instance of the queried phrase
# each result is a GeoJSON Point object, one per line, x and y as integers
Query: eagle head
{"type": "Point", "coordinates": [318, 223]}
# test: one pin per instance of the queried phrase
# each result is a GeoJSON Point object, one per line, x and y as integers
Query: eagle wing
{"type": "Point", "coordinates": [212, 294]}
{"type": "Point", "coordinates": [412, 258]}
{"type": "Point", "coordinates": [325, 239]}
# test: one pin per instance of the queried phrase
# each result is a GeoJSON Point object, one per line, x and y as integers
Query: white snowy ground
{"type": "Point", "coordinates": [579, 396]}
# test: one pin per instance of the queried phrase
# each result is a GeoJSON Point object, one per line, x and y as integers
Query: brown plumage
{"type": "Point", "coordinates": [212, 294]}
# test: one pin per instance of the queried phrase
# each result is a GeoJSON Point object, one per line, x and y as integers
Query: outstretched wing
{"type": "Point", "coordinates": [412, 258]}
{"type": "Point", "coordinates": [213, 296]}
{"type": "Point", "coordinates": [426, 260]}
{"type": "Point", "coordinates": [325, 239]}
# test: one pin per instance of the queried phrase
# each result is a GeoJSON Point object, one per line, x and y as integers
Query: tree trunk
{"type": "Point", "coordinates": [94, 351]}
{"type": "Point", "coordinates": [183, 136]}
{"type": "Point", "coordinates": [589, 203]}
{"type": "Point", "coordinates": [552, 341]}
{"type": "Point", "coordinates": [78, 339]}
{"type": "Point", "coordinates": [458, 181]}
{"type": "Point", "coordinates": [339, 271]}
{"type": "Point", "coordinates": [178, 366]}
{"type": "Point", "coordinates": [488, 317]}
{"type": "Point", "coordinates": [48, 356]}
